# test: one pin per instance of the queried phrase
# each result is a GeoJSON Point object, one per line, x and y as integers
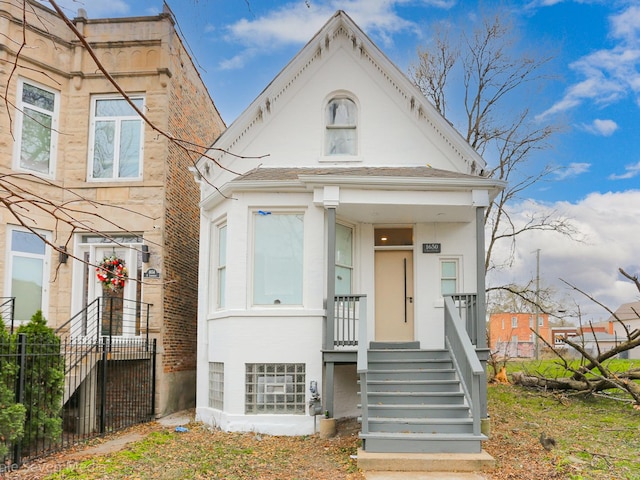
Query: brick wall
{"type": "Point", "coordinates": [192, 117]}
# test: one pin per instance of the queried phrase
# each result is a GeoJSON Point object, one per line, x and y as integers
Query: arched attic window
{"type": "Point", "coordinates": [341, 136]}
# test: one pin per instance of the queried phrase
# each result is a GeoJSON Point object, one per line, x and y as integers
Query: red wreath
{"type": "Point", "coordinates": [112, 273]}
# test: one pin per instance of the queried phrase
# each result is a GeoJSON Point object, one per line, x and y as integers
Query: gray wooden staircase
{"type": "Point", "coordinates": [415, 402]}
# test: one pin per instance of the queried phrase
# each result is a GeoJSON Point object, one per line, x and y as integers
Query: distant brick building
{"type": "Point", "coordinates": [512, 334]}
{"type": "Point", "coordinates": [66, 134]}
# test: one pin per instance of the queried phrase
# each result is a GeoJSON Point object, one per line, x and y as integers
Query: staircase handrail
{"type": "Point", "coordinates": [363, 364]}
{"type": "Point", "coordinates": [465, 359]}
{"type": "Point", "coordinates": [8, 306]}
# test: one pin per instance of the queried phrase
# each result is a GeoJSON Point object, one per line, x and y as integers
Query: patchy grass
{"type": "Point", "coordinates": [597, 438]}
{"type": "Point", "coordinates": [554, 368]}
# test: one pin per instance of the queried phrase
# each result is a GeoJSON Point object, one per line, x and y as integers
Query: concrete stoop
{"type": "Point", "coordinates": [424, 462]}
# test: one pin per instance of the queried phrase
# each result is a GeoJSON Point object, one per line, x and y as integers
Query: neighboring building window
{"type": "Point", "coordinates": [503, 324]}
{"type": "Point", "coordinates": [29, 273]}
{"type": "Point", "coordinates": [514, 322]}
{"type": "Point", "coordinates": [341, 122]}
{"type": "Point", "coordinates": [448, 276]}
{"type": "Point", "coordinates": [531, 321]}
{"type": "Point", "coordinates": [275, 388]}
{"type": "Point", "coordinates": [37, 122]}
{"type": "Point", "coordinates": [216, 385]}
{"type": "Point", "coordinates": [116, 142]}
{"type": "Point", "coordinates": [277, 258]}
{"type": "Point", "coordinates": [222, 265]}
{"type": "Point", "coordinates": [344, 259]}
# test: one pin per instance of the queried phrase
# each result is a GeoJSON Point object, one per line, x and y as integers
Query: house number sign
{"type": "Point", "coordinates": [430, 248]}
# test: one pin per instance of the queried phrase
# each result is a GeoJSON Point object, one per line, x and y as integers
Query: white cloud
{"type": "Point", "coordinates": [604, 128]}
{"type": "Point", "coordinates": [630, 172]}
{"type": "Point", "coordinates": [608, 222]}
{"type": "Point", "coordinates": [296, 22]}
{"type": "Point", "coordinates": [608, 75]}
{"type": "Point", "coordinates": [572, 170]}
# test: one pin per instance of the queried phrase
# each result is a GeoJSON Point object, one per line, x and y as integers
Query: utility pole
{"type": "Point", "coordinates": [537, 309]}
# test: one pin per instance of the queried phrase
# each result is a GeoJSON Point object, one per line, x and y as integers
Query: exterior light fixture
{"type": "Point", "coordinates": [63, 256]}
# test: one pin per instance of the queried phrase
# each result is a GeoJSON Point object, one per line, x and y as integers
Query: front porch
{"type": "Point", "coordinates": [413, 400]}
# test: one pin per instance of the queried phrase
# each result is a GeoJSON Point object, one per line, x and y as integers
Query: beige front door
{"type": "Point", "coordinates": [394, 295]}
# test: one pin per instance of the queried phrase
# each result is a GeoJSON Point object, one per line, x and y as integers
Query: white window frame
{"type": "Point", "coordinates": [218, 268]}
{"type": "Point", "coordinates": [348, 156]}
{"type": "Point", "coordinates": [19, 119]}
{"type": "Point", "coordinates": [46, 266]}
{"type": "Point", "coordinates": [118, 120]}
{"type": "Point", "coordinates": [340, 264]}
{"type": "Point", "coordinates": [277, 301]}
{"type": "Point", "coordinates": [514, 322]}
{"type": "Point", "coordinates": [457, 261]}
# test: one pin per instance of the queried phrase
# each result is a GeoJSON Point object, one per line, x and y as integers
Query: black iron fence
{"type": "Point", "coordinates": [7, 309]}
{"type": "Point", "coordinates": [72, 390]}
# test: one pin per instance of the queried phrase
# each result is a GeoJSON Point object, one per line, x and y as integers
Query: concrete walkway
{"type": "Point", "coordinates": [423, 476]}
{"type": "Point", "coordinates": [117, 444]}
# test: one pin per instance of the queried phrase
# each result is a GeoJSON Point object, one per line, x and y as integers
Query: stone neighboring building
{"type": "Point", "coordinates": [67, 135]}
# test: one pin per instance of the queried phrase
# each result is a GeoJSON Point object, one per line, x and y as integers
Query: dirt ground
{"type": "Point", "coordinates": [514, 444]}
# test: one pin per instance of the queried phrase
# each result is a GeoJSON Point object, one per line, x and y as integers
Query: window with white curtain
{"type": "Point", "coordinates": [278, 258]}
{"type": "Point", "coordinates": [37, 124]}
{"type": "Point", "coordinates": [341, 127]}
{"type": "Point", "coordinates": [344, 259]}
{"type": "Point", "coordinates": [29, 272]}
{"type": "Point", "coordinates": [116, 138]}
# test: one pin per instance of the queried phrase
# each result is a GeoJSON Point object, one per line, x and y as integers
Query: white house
{"type": "Point", "coordinates": [341, 209]}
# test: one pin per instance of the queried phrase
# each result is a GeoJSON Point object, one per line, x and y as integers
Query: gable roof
{"type": "Point", "coordinates": [340, 27]}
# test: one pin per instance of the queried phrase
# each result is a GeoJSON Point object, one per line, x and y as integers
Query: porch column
{"type": "Point", "coordinates": [330, 320]}
{"type": "Point", "coordinates": [481, 342]}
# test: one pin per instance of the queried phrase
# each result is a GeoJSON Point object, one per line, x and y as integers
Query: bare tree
{"type": "Point", "coordinates": [593, 373]}
{"type": "Point", "coordinates": [494, 79]}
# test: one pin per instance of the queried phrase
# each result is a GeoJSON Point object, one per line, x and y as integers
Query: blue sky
{"type": "Point", "coordinates": [593, 92]}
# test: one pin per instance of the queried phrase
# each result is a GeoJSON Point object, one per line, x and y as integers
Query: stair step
{"type": "Point", "coordinates": [422, 442]}
{"type": "Point", "coordinates": [420, 425]}
{"type": "Point", "coordinates": [412, 386]}
{"type": "Point", "coordinates": [409, 354]}
{"type": "Point", "coordinates": [419, 411]}
{"type": "Point", "coordinates": [408, 364]}
{"type": "Point", "coordinates": [394, 345]}
{"type": "Point", "coordinates": [413, 398]}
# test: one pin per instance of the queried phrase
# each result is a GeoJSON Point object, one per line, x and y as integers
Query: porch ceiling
{"type": "Point", "coordinates": [391, 214]}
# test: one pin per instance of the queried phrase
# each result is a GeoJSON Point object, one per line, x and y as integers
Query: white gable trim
{"type": "Point", "coordinates": [341, 28]}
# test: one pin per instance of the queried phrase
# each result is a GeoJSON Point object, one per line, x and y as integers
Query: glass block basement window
{"type": "Point", "coordinates": [275, 388]}
{"type": "Point", "coordinates": [216, 385]}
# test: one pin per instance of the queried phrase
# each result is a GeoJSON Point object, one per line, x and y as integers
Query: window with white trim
{"type": "Point", "coordinates": [344, 259]}
{"type": "Point", "coordinates": [37, 124]}
{"type": "Point", "coordinates": [275, 388]}
{"type": "Point", "coordinates": [514, 322]}
{"type": "Point", "coordinates": [29, 271]}
{"type": "Point", "coordinates": [116, 138]}
{"type": "Point", "coordinates": [341, 127]}
{"type": "Point", "coordinates": [216, 385]}
{"type": "Point", "coordinates": [448, 276]}
{"type": "Point", "coordinates": [221, 264]}
{"type": "Point", "coordinates": [277, 258]}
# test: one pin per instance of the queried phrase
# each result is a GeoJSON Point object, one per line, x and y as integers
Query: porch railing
{"type": "Point", "coordinates": [466, 304]}
{"type": "Point", "coordinates": [7, 309]}
{"type": "Point", "coordinates": [464, 357]}
{"type": "Point", "coordinates": [109, 317]}
{"type": "Point", "coordinates": [349, 309]}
